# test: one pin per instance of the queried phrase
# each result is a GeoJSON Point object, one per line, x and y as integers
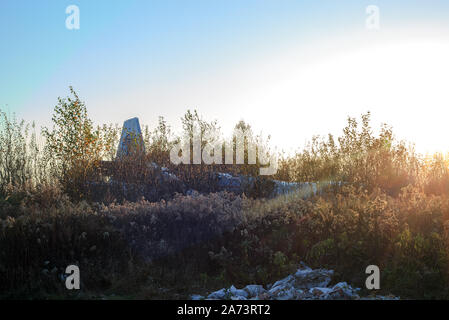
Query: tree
{"type": "Point", "coordinates": [74, 144]}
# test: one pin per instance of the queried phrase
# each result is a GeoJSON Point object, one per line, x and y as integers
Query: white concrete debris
{"type": "Point", "coordinates": [238, 184]}
{"type": "Point", "coordinates": [230, 183]}
{"type": "Point", "coordinates": [220, 294]}
{"type": "Point", "coordinates": [305, 284]}
{"type": "Point", "coordinates": [254, 290]}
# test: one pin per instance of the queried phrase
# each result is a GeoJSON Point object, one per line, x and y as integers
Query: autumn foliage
{"type": "Point", "coordinates": [382, 204]}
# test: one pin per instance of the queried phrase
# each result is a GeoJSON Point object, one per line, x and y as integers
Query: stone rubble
{"type": "Point", "coordinates": [305, 284]}
{"type": "Point", "coordinates": [237, 184]}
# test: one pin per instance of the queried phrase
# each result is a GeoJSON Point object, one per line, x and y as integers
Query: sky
{"type": "Point", "coordinates": [290, 68]}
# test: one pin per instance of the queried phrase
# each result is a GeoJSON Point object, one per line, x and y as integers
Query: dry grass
{"type": "Point", "coordinates": [140, 237]}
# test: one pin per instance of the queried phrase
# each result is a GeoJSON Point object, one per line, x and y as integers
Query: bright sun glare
{"type": "Point", "coordinates": [403, 85]}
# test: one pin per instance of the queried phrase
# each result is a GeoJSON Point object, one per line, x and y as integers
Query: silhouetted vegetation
{"type": "Point", "coordinates": [133, 233]}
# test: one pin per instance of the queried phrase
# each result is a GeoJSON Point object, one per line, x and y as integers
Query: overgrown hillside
{"type": "Point", "coordinates": [388, 206]}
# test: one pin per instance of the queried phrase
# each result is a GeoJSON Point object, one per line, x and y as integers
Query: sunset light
{"type": "Point", "coordinates": [224, 155]}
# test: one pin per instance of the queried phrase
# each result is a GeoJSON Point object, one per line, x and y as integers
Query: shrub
{"type": "Point", "coordinates": [37, 246]}
{"type": "Point", "coordinates": [389, 207]}
{"type": "Point", "coordinates": [74, 144]}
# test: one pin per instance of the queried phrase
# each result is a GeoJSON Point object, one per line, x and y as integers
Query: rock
{"type": "Point", "coordinates": [264, 296]}
{"type": "Point", "coordinates": [192, 193]}
{"type": "Point", "coordinates": [284, 282]}
{"type": "Point", "coordinates": [238, 184]}
{"type": "Point", "coordinates": [196, 297]}
{"type": "Point", "coordinates": [238, 298]}
{"type": "Point", "coordinates": [316, 291]}
{"type": "Point", "coordinates": [304, 284]}
{"type": "Point", "coordinates": [308, 278]}
{"type": "Point", "coordinates": [254, 290]}
{"type": "Point", "coordinates": [287, 293]}
{"type": "Point", "coordinates": [376, 297]}
{"type": "Point", "coordinates": [227, 182]}
{"type": "Point", "coordinates": [276, 289]}
{"type": "Point", "coordinates": [282, 187]}
{"type": "Point", "coordinates": [220, 294]}
{"type": "Point", "coordinates": [238, 292]}
{"type": "Point", "coordinates": [341, 291]}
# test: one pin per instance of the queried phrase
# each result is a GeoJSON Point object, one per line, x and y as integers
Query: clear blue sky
{"type": "Point", "coordinates": [224, 57]}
